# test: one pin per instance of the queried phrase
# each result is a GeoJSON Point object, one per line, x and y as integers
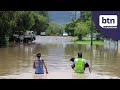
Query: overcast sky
{"type": "Point", "coordinates": [62, 17]}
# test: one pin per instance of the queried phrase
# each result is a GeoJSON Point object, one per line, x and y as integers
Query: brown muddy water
{"type": "Point", "coordinates": [16, 61]}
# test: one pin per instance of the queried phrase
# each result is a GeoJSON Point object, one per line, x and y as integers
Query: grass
{"type": "Point", "coordinates": [87, 40]}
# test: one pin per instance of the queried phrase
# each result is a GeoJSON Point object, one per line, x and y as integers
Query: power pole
{"type": "Point", "coordinates": [81, 14]}
{"type": "Point", "coordinates": [91, 30]}
{"type": "Point", "coordinates": [91, 50]}
{"type": "Point", "coordinates": [75, 15]}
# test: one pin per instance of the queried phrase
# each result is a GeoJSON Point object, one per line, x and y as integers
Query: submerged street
{"type": "Point", "coordinates": [17, 61]}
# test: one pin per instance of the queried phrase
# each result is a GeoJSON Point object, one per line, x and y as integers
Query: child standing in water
{"type": "Point", "coordinates": [39, 65]}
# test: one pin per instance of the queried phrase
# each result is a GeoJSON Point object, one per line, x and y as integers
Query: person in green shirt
{"type": "Point", "coordinates": [79, 64]}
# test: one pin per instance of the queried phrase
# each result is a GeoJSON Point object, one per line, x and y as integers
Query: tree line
{"type": "Point", "coordinates": [12, 21]}
{"type": "Point", "coordinates": [81, 26]}
{"type": "Point", "coordinates": [38, 21]}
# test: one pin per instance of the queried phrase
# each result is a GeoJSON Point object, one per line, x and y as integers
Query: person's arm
{"type": "Point", "coordinates": [45, 67]}
{"type": "Point", "coordinates": [73, 65]}
{"type": "Point", "coordinates": [34, 65]}
{"type": "Point", "coordinates": [85, 64]}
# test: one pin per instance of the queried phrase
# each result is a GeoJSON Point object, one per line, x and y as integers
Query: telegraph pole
{"type": "Point", "coordinates": [75, 15]}
{"type": "Point", "coordinates": [91, 30]}
{"type": "Point", "coordinates": [91, 53]}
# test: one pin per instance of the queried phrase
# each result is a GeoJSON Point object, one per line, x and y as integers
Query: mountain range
{"type": "Point", "coordinates": [62, 17]}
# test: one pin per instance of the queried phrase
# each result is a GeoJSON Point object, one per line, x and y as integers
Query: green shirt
{"type": "Point", "coordinates": [79, 65]}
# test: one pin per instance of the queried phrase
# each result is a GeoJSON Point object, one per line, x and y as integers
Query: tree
{"type": "Point", "coordinates": [12, 21]}
{"type": "Point", "coordinates": [54, 29]}
{"type": "Point", "coordinates": [70, 27]}
{"type": "Point", "coordinates": [85, 16]}
{"type": "Point", "coordinates": [44, 13]}
{"type": "Point", "coordinates": [41, 23]}
{"type": "Point", "coordinates": [7, 23]}
{"type": "Point", "coordinates": [80, 26]}
{"type": "Point", "coordinates": [81, 29]}
{"type": "Point", "coordinates": [25, 21]}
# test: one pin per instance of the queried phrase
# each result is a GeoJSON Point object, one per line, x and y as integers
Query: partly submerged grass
{"type": "Point", "coordinates": [87, 40]}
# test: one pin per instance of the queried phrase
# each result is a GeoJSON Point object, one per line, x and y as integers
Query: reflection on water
{"type": "Point", "coordinates": [18, 60]}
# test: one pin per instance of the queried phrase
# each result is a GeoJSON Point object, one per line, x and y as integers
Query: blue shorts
{"type": "Point", "coordinates": [39, 70]}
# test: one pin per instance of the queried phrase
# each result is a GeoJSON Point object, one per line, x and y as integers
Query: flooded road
{"type": "Point", "coordinates": [16, 61]}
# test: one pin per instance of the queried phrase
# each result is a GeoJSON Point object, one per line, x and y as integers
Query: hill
{"type": "Point", "coordinates": [62, 17]}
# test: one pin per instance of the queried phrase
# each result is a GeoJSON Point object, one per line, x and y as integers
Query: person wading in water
{"type": "Point", "coordinates": [79, 64]}
{"type": "Point", "coordinates": [39, 65]}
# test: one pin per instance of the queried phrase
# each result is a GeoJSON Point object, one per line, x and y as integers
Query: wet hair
{"type": "Point", "coordinates": [80, 54]}
{"type": "Point", "coordinates": [38, 55]}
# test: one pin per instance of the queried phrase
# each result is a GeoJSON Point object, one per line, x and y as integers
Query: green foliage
{"type": "Point", "coordinates": [41, 23]}
{"type": "Point", "coordinates": [81, 29]}
{"type": "Point", "coordinates": [11, 21]}
{"type": "Point", "coordinates": [7, 23]}
{"type": "Point", "coordinates": [89, 42]}
{"type": "Point", "coordinates": [85, 16]}
{"type": "Point", "coordinates": [44, 13]}
{"type": "Point", "coordinates": [25, 21]}
{"type": "Point", "coordinates": [70, 28]}
{"type": "Point", "coordinates": [82, 26]}
{"type": "Point", "coordinates": [54, 29]}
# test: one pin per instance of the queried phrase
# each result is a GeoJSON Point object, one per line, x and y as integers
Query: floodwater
{"type": "Point", "coordinates": [16, 61]}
